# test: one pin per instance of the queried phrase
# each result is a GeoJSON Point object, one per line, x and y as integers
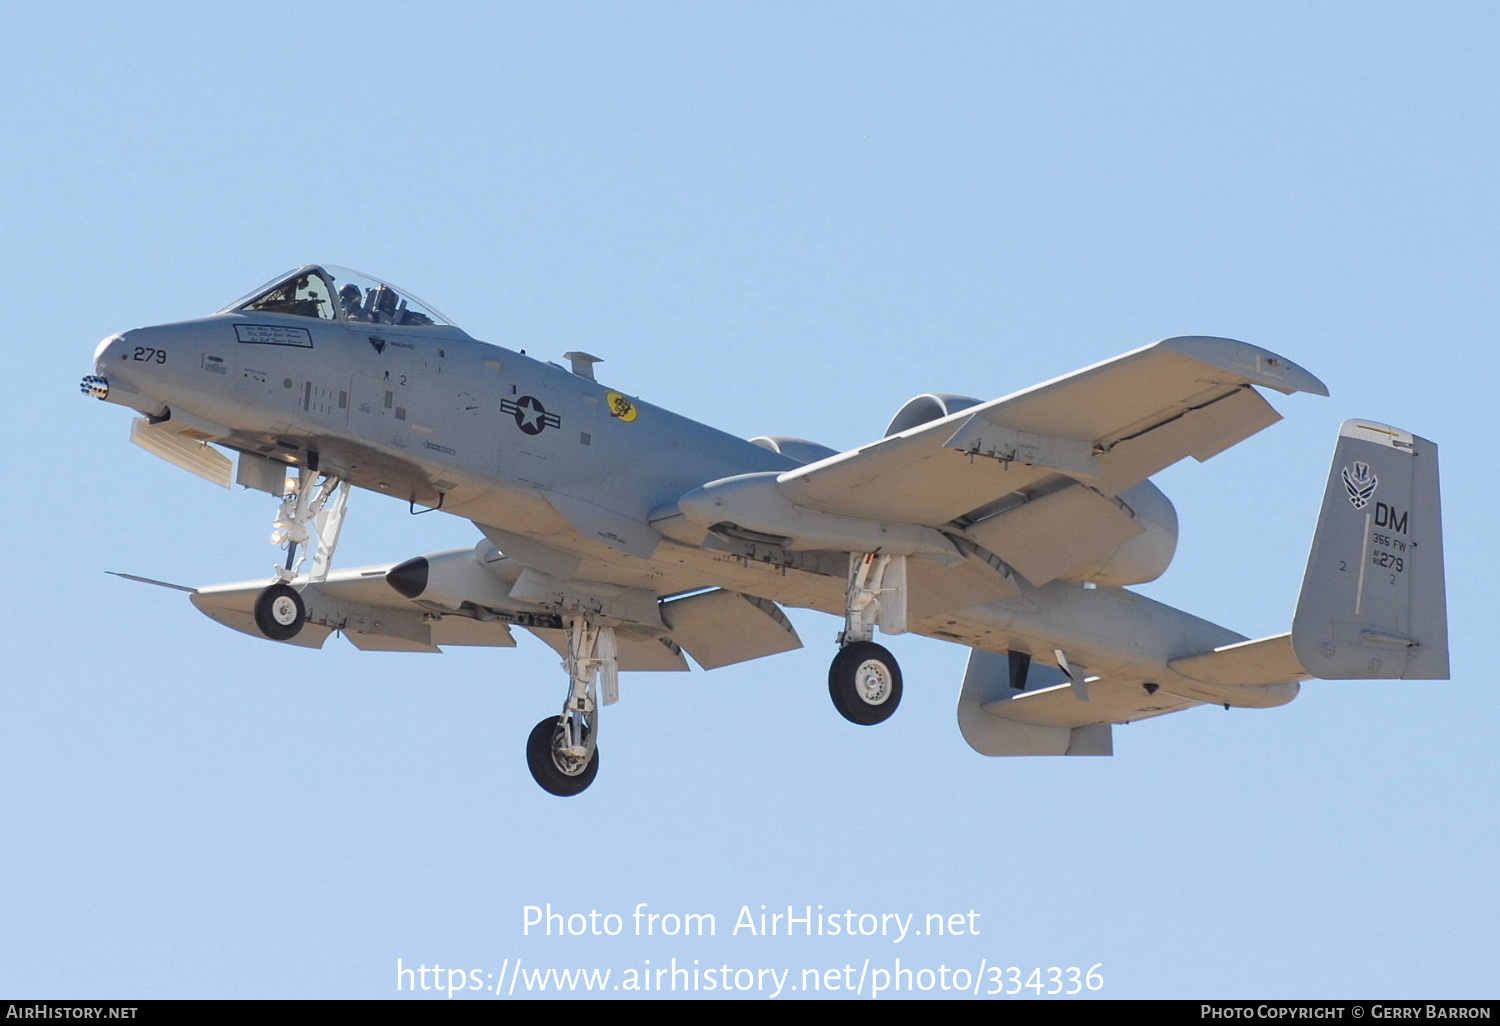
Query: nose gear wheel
{"type": "Point", "coordinates": [555, 766]}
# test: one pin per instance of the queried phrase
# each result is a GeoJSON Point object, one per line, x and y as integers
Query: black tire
{"type": "Point", "coordinates": [552, 776]}
{"type": "Point", "coordinates": [279, 612]}
{"type": "Point", "coordinates": [865, 683]}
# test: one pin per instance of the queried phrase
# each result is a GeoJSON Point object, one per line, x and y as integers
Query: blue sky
{"type": "Point", "coordinates": [776, 218]}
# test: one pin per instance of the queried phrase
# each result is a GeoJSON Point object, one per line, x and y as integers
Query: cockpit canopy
{"type": "Point", "coordinates": [329, 293]}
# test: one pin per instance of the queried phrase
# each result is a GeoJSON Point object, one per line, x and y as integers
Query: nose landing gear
{"type": "Point", "coordinates": [312, 504]}
{"type": "Point", "coordinates": [552, 755]}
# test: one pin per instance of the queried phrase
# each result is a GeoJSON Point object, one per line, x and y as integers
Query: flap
{"type": "Point", "coordinates": [1045, 538]}
{"type": "Point", "coordinates": [385, 643]}
{"type": "Point", "coordinates": [633, 651]}
{"type": "Point", "coordinates": [943, 588]}
{"type": "Point", "coordinates": [632, 605]}
{"type": "Point", "coordinates": [720, 628]}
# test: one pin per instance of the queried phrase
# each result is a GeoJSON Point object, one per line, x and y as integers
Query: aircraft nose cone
{"type": "Point", "coordinates": [102, 351]}
{"type": "Point", "coordinates": [96, 385]}
{"type": "Point", "coordinates": [119, 379]}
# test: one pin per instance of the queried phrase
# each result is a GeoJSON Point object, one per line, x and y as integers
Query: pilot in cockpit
{"type": "Point", "coordinates": [312, 292]}
{"type": "Point", "coordinates": [352, 302]}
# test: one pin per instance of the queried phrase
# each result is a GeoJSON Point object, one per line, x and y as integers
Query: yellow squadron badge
{"type": "Point", "coordinates": [620, 406]}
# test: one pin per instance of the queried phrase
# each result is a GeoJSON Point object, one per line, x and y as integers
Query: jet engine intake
{"type": "Point", "coordinates": [929, 407]}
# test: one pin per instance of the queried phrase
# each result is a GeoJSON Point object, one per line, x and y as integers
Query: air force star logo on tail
{"type": "Point", "coordinates": [1360, 482]}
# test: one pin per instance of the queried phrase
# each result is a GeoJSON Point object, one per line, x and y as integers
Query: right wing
{"type": "Point", "coordinates": [475, 596]}
{"type": "Point", "coordinates": [361, 605]}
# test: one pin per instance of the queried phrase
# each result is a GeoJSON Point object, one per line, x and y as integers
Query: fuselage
{"type": "Point", "coordinates": [556, 463]}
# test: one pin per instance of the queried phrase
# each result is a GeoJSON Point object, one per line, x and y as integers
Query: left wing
{"type": "Point", "coordinates": [1110, 426]}
{"type": "Point", "coordinates": [1051, 480]}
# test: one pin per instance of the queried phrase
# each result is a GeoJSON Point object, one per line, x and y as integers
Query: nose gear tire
{"type": "Point", "coordinates": [553, 771]}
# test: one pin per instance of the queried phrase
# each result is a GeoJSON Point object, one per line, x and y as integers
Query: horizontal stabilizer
{"type": "Point", "coordinates": [1265, 661]}
{"type": "Point", "coordinates": [984, 720]}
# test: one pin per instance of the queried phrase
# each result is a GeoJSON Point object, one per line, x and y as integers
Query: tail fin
{"type": "Point", "coordinates": [1373, 602]}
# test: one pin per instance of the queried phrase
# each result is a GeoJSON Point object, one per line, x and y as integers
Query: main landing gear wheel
{"type": "Point", "coordinates": [279, 612]}
{"type": "Point", "coordinates": [556, 771]}
{"type": "Point", "coordinates": [865, 683]}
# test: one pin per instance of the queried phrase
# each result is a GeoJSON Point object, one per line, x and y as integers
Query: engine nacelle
{"type": "Point", "coordinates": [929, 407]}
{"type": "Point", "coordinates": [799, 449]}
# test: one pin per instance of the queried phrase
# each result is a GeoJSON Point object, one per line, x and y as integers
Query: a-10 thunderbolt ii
{"type": "Point", "coordinates": [623, 535]}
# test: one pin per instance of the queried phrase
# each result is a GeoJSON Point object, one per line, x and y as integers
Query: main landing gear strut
{"type": "Point", "coordinates": [864, 680]}
{"type": "Point", "coordinates": [312, 503]}
{"type": "Point", "coordinates": [563, 751]}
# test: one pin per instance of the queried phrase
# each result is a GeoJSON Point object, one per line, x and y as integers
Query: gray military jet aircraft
{"type": "Point", "coordinates": [623, 535]}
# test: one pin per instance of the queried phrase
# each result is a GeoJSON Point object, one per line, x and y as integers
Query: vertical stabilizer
{"type": "Point", "coordinates": [1373, 601]}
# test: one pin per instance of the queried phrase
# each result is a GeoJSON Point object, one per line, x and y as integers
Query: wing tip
{"type": "Point", "coordinates": [1251, 362]}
